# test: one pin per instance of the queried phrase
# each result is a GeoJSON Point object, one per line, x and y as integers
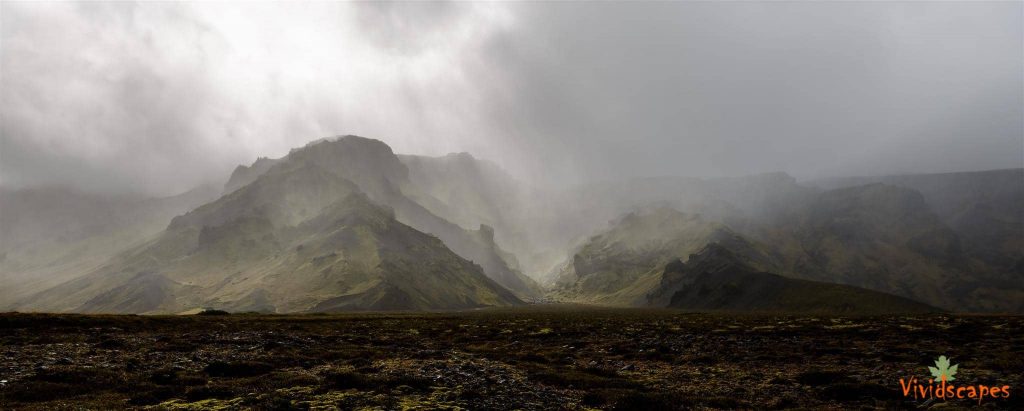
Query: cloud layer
{"type": "Point", "coordinates": [162, 97]}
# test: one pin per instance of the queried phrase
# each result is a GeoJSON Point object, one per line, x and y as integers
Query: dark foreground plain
{"type": "Point", "coordinates": [531, 358]}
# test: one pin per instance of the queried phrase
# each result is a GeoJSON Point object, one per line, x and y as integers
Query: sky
{"type": "Point", "coordinates": [161, 97]}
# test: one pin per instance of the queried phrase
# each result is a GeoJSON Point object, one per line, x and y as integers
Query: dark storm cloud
{"type": "Point", "coordinates": [160, 97]}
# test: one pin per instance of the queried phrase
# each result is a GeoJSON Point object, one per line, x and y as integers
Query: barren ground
{"type": "Point", "coordinates": [530, 358]}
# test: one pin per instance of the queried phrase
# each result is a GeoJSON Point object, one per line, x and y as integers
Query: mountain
{"type": "Point", "coordinates": [876, 237]}
{"type": "Point", "coordinates": [243, 175]}
{"type": "Point", "coordinates": [447, 193]}
{"type": "Point", "coordinates": [385, 178]}
{"type": "Point", "coordinates": [717, 279]}
{"type": "Point", "coordinates": [624, 264]}
{"type": "Point", "coordinates": [300, 237]}
{"type": "Point", "coordinates": [986, 208]}
{"type": "Point", "coordinates": [537, 225]}
{"type": "Point", "coordinates": [636, 262]}
{"type": "Point", "coordinates": [53, 234]}
{"type": "Point", "coordinates": [954, 240]}
{"type": "Point", "coordinates": [887, 238]}
{"type": "Point", "coordinates": [565, 220]}
{"type": "Point", "coordinates": [951, 193]}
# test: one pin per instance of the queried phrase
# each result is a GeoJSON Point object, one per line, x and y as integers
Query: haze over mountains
{"type": "Point", "coordinates": [315, 231]}
{"type": "Point", "coordinates": [554, 151]}
{"type": "Point", "coordinates": [346, 224]}
{"type": "Point", "coordinates": [50, 235]}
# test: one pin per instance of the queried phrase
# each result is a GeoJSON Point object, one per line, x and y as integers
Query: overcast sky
{"type": "Point", "coordinates": [160, 97]}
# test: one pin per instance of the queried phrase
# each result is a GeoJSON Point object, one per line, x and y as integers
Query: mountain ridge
{"type": "Point", "coordinates": [952, 240]}
{"type": "Point", "coordinates": [300, 218]}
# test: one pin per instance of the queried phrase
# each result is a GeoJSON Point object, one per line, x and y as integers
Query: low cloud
{"type": "Point", "coordinates": [160, 97]}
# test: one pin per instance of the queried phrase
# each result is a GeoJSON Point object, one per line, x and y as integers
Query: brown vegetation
{"type": "Point", "coordinates": [532, 358]}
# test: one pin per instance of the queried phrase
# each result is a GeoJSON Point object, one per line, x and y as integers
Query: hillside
{"type": "Point", "coordinates": [986, 208]}
{"type": "Point", "coordinates": [716, 279]}
{"type": "Point", "coordinates": [887, 238]}
{"type": "Point", "coordinates": [375, 169]}
{"type": "Point", "coordinates": [624, 264]}
{"type": "Point", "coordinates": [298, 238]}
{"type": "Point", "coordinates": [954, 241]}
{"type": "Point", "coordinates": [52, 235]}
{"type": "Point", "coordinates": [876, 237]}
{"type": "Point", "coordinates": [566, 219]}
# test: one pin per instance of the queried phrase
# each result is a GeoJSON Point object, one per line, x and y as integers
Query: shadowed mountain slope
{"type": "Point", "coordinates": [624, 264]}
{"type": "Point", "coordinates": [986, 208]}
{"type": "Point", "coordinates": [718, 279]}
{"type": "Point", "coordinates": [887, 238]}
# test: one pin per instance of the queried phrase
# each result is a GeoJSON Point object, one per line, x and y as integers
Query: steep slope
{"type": "Point", "coordinates": [470, 192]}
{"type": "Point", "coordinates": [298, 238]}
{"type": "Point", "coordinates": [243, 175]}
{"type": "Point", "coordinates": [624, 264]}
{"type": "Point", "coordinates": [51, 235]}
{"type": "Point", "coordinates": [477, 246]}
{"type": "Point", "coordinates": [464, 190]}
{"type": "Point", "coordinates": [377, 171]}
{"type": "Point", "coordinates": [718, 279]}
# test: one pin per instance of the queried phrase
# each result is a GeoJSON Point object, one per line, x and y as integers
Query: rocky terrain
{"type": "Point", "coordinates": [532, 358]}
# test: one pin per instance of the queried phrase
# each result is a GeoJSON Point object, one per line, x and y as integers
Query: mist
{"type": "Point", "coordinates": [487, 205]}
{"type": "Point", "coordinates": [160, 98]}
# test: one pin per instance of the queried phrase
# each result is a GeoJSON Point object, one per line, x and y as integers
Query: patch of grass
{"type": "Point", "coordinates": [846, 391]}
{"type": "Point", "coordinates": [44, 391]}
{"type": "Point", "coordinates": [213, 312]}
{"type": "Point", "coordinates": [343, 380]}
{"type": "Point", "coordinates": [220, 392]}
{"type": "Point", "coordinates": [641, 401]}
{"type": "Point", "coordinates": [818, 377]}
{"type": "Point", "coordinates": [237, 369]}
{"type": "Point", "coordinates": [171, 376]}
{"type": "Point", "coordinates": [576, 378]}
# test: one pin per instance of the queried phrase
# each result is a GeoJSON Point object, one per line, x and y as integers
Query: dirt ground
{"type": "Point", "coordinates": [534, 358]}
